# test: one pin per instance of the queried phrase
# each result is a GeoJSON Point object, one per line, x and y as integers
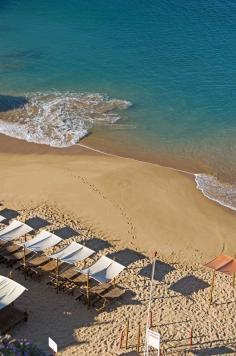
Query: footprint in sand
{"type": "Point", "coordinates": [132, 229]}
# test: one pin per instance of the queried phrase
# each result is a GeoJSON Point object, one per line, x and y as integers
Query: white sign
{"type": "Point", "coordinates": [153, 339]}
{"type": "Point", "coordinates": [52, 345]}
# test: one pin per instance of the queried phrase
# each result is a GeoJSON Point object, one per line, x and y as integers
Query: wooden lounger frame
{"type": "Point", "coordinates": [11, 316]}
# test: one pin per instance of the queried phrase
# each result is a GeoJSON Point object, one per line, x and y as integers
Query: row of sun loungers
{"type": "Point", "coordinates": [94, 283]}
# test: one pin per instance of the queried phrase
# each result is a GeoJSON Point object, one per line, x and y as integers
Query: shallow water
{"type": "Point", "coordinates": [174, 61]}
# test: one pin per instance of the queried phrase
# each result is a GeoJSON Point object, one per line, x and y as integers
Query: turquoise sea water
{"type": "Point", "coordinates": [175, 61]}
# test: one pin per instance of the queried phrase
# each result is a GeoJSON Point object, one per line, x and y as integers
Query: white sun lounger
{"type": "Point", "coordinates": [9, 291]}
{"type": "Point", "coordinates": [42, 241]}
{"type": "Point", "coordinates": [104, 270]}
{"type": "Point", "coordinates": [9, 315]}
{"type": "Point", "coordinates": [14, 231]}
{"type": "Point", "coordinates": [73, 253]}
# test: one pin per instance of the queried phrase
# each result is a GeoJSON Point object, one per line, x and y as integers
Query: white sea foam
{"type": "Point", "coordinates": [60, 119]}
{"type": "Point", "coordinates": [212, 188]}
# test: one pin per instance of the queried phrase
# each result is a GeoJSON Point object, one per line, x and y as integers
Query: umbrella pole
{"type": "Point", "coordinates": [57, 277]}
{"type": "Point", "coordinates": [88, 301]}
{"type": "Point", "coordinates": [24, 263]}
{"type": "Point", "coordinates": [24, 258]}
{"type": "Point", "coordinates": [212, 287]}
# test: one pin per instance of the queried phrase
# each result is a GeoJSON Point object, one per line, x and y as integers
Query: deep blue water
{"type": "Point", "coordinates": [174, 60]}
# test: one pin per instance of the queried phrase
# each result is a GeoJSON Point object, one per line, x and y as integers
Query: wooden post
{"type": "Point", "coordinates": [127, 334]}
{"type": "Point", "coordinates": [24, 263]}
{"type": "Point", "coordinates": [234, 277]}
{"type": "Point", "coordinates": [212, 287]}
{"type": "Point", "coordinates": [139, 337]}
{"type": "Point", "coordinates": [150, 320]}
{"type": "Point", "coordinates": [24, 258]}
{"type": "Point", "coordinates": [122, 338]}
{"type": "Point", "coordinates": [57, 275]}
{"type": "Point", "coordinates": [191, 337]}
{"type": "Point", "coordinates": [88, 301]}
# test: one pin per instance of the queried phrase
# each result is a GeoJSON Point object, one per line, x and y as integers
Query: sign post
{"type": "Point", "coordinates": [149, 305]}
{"type": "Point", "coordinates": [52, 345]}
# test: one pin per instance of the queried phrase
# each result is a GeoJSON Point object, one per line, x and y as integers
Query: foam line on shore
{"type": "Point", "coordinates": [202, 180]}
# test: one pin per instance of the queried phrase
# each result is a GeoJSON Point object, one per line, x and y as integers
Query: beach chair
{"type": "Point", "coordinates": [49, 266]}
{"type": "Point", "coordinates": [30, 267]}
{"type": "Point", "coordinates": [37, 245]}
{"type": "Point", "coordinates": [104, 271]}
{"type": "Point", "coordinates": [38, 261]}
{"type": "Point", "coordinates": [38, 272]}
{"type": "Point", "coordinates": [66, 276]}
{"type": "Point", "coordinates": [8, 249]}
{"type": "Point", "coordinates": [61, 284]}
{"type": "Point", "coordinates": [13, 258]}
{"type": "Point", "coordinates": [113, 294]}
{"type": "Point", "coordinates": [72, 283]}
{"type": "Point", "coordinates": [70, 255]}
{"type": "Point", "coordinates": [69, 274]}
{"type": "Point", "coordinates": [9, 315]}
{"type": "Point", "coordinates": [94, 291]}
{"type": "Point", "coordinates": [13, 231]}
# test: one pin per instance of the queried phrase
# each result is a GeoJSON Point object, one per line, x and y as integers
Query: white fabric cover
{"type": "Point", "coordinates": [9, 291]}
{"type": "Point", "coordinates": [2, 218]}
{"type": "Point", "coordinates": [42, 241]}
{"type": "Point", "coordinates": [104, 270]}
{"type": "Point", "coordinates": [15, 230]}
{"type": "Point", "coordinates": [73, 253]}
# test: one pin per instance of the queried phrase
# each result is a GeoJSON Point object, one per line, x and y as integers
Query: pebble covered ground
{"type": "Point", "coordinates": [180, 300]}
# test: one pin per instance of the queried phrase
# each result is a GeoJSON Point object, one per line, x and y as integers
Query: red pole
{"type": "Point", "coordinates": [191, 337]}
{"type": "Point", "coordinates": [121, 339]}
{"type": "Point", "coordinates": [150, 320]}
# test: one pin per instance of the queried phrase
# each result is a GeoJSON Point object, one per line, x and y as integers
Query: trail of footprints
{"type": "Point", "coordinates": [84, 180]}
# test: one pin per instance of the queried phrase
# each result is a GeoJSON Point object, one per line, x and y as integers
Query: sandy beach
{"type": "Point", "coordinates": [128, 209]}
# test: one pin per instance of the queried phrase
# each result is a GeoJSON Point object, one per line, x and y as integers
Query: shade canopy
{"type": "Point", "coordinates": [9, 291]}
{"type": "Point", "coordinates": [224, 264]}
{"type": "Point", "coordinates": [73, 253]}
{"type": "Point", "coordinates": [42, 241]}
{"type": "Point", "coordinates": [14, 231]}
{"type": "Point", "coordinates": [104, 270]}
{"type": "Point", "coordinates": [2, 218]}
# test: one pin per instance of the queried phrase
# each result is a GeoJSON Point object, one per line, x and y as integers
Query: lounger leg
{"type": "Point", "coordinates": [26, 316]}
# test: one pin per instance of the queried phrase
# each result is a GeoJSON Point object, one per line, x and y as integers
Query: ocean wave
{"type": "Point", "coordinates": [60, 119]}
{"type": "Point", "coordinates": [212, 188]}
